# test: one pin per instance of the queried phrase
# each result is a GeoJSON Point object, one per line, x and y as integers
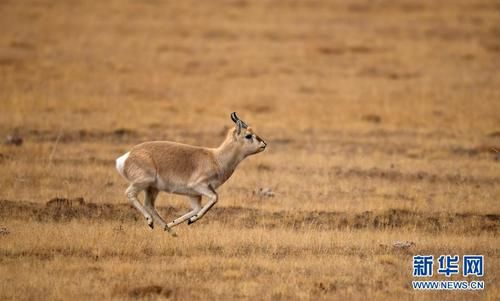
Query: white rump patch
{"type": "Point", "coordinates": [120, 164]}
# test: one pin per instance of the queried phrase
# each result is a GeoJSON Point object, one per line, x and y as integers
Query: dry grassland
{"type": "Point", "coordinates": [382, 120]}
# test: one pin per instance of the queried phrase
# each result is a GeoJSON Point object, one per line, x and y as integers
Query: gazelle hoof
{"type": "Point", "coordinates": [171, 231]}
{"type": "Point", "coordinates": [150, 223]}
{"type": "Point", "coordinates": [192, 219]}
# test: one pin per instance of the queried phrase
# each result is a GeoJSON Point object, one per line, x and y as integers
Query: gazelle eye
{"type": "Point", "coordinates": [249, 136]}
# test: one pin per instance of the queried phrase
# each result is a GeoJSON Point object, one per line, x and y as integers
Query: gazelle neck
{"type": "Point", "coordinates": [228, 155]}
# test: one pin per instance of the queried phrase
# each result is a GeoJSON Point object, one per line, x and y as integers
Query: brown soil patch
{"type": "Point", "coordinates": [63, 210]}
{"type": "Point", "coordinates": [150, 291]}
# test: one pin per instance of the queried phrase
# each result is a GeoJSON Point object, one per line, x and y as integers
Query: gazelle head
{"type": "Point", "coordinates": [249, 142]}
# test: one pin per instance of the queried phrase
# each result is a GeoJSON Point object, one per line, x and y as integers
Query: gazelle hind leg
{"type": "Point", "coordinates": [132, 191]}
{"type": "Point", "coordinates": [195, 205]}
{"type": "Point", "coordinates": [150, 194]}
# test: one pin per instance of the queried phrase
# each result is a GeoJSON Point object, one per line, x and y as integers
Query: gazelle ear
{"type": "Point", "coordinates": [239, 125]}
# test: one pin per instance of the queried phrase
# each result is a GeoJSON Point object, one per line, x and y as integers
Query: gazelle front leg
{"type": "Point", "coordinates": [195, 204]}
{"type": "Point", "coordinates": [212, 196]}
{"type": "Point", "coordinates": [149, 205]}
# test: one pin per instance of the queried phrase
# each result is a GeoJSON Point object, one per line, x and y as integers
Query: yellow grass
{"type": "Point", "coordinates": [365, 105]}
